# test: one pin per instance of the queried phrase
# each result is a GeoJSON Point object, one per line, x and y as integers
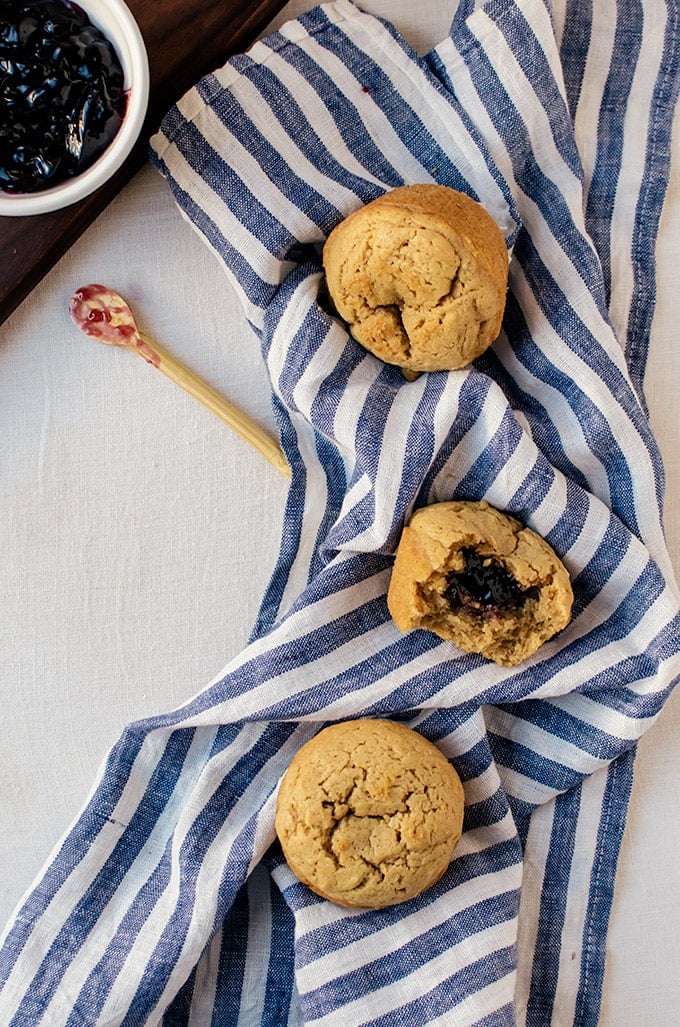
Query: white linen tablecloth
{"type": "Point", "coordinates": [139, 534]}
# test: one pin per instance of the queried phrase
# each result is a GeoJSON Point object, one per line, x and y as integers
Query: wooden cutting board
{"type": "Point", "coordinates": [185, 39]}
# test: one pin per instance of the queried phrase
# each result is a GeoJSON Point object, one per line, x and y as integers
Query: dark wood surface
{"type": "Point", "coordinates": [184, 39]}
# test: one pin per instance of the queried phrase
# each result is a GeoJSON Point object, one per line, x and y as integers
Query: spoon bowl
{"type": "Point", "coordinates": [105, 316]}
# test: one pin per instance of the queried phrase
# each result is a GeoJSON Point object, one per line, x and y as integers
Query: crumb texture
{"type": "Point", "coordinates": [420, 277]}
{"type": "Point", "coordinates": [369, 813]}
{"type": "Point", "coordinates": [479, 578]}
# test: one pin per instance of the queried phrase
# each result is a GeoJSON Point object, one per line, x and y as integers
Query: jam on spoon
{"type": "Point", "coordinates": [62, 95]}
{"type": "Point", "coordinates": [485, 586]}
{"type": "Point", "coordinates": [105, 316]}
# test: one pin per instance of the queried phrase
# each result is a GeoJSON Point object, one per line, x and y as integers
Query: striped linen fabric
{"type": "Point", "coordinates": [168, 901]}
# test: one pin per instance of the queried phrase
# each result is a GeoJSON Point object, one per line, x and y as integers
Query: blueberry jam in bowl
{"type": "Point", "coordinates": [74, 88]}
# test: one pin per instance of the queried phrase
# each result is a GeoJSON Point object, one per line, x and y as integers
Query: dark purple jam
{"type": "Point", "coordinates": [484, 586]}
{"type": "Point", "coordinates": [62, 96]}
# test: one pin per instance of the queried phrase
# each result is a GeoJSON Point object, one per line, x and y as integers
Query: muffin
{"type": "Point", "coordinates": [479, 578]}
{"type": "Point", "coordinates": [369, 813]}
{"type": "Point", "coordinates": [420, 277]}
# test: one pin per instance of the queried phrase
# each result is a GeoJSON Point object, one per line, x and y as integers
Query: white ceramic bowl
{"type": "Point", "coordinates": [114, 19]}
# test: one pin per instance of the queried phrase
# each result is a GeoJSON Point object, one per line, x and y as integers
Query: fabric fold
{"type": "Point", "coordinates": [169, 899]}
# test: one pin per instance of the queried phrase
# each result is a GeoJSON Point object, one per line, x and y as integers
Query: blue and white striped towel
{"type": "Point", "coordinates": [168, 901]}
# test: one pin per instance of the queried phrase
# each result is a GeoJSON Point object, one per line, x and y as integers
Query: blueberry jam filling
{"type": "Point", "coordinates": [484, 586]}
{"type": "Point", "coordinates": [62, 96]}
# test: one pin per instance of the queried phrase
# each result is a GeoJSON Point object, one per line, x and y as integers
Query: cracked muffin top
{"type": "Point", "coordinates": [369, 813]}
{"type": "Point", "coordinates": [420, 277]}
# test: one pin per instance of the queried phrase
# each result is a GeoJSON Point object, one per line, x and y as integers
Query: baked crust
{"type": "Point", "coordinates": [369, 813]}
{"type": "Point", "coordinates": [420, 276]}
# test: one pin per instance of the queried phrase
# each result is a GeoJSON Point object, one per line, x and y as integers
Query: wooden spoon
{"type": "Point", "coordinates": [105, 316]}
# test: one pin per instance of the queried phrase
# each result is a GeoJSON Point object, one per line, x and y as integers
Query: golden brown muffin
{"type": "Point", "coordinates": [477, 577]}
{"type": "Point", "coordinates": [420, 276]}
{"type": "Point", "coordinates": [369, 813]}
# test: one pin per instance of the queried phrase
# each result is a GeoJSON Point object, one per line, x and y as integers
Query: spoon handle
{"type": "Point", "coordinates": [234, 418]}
